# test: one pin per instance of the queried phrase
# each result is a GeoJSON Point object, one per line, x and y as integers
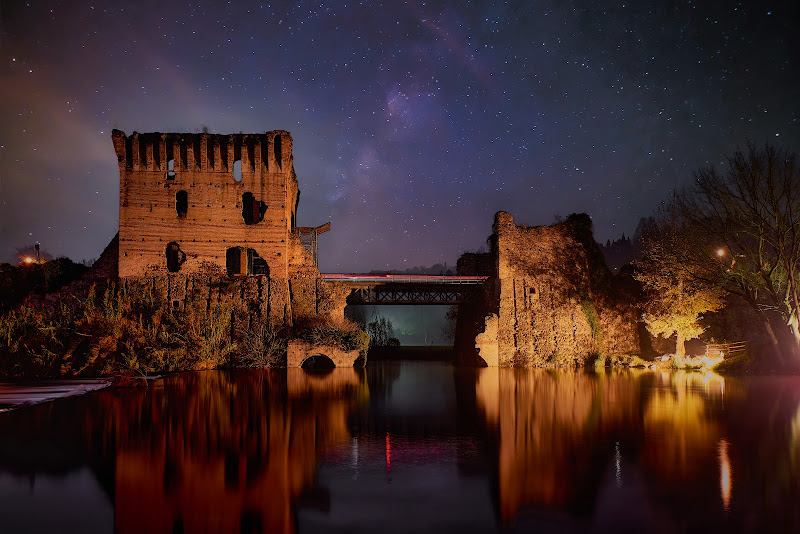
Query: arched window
{"type": "Point", "coordinates": [175, 257]}
{"type": "Point", "coordinates": [181, 203]}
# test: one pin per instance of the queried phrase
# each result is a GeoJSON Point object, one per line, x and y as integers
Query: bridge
{"type": "Point", "coordinates": [407, 289]}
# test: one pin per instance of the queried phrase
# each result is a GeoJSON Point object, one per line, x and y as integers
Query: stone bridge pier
{"type": "Point", "coordinates": [298, 352]}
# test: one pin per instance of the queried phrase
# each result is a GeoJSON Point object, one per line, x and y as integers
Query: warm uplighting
{"type": "Point", "coordinates": [28, 260]}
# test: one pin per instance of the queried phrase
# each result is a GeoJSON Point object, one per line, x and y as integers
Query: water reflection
{"type": "Point", "coordinates": [583, 443]}
{"type": "Point", "coordinates": [402, 447]}
{"type": "Point", "coordinates": [214, 451]}
{"type": "Point", "coordinates": [236, 458]}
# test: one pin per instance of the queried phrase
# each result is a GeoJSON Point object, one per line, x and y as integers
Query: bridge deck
{"type": "Point", "coordinates": [371, 279]}
{"type": "Point", "coordinates": [407, 289]}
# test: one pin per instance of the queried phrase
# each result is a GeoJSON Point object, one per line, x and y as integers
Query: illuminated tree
{"type": "Point", "coordinates": [675, 300]}
{"type": "Point", "coordinates": [743, 223]}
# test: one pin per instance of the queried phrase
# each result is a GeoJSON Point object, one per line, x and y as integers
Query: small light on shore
{"type": "Point", "coordinates": [720, 252]}
{"type": "Point", "coordinates": [28, 260]}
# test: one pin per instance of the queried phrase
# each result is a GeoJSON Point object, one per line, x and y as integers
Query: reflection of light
{"type": "Point", "coordinates": [725, 481]}
{"type": "Point", "coordinates": [618, 465]}
{"type": "Point", "coordinates": [354, 451]}
{"type": "Point", "coordinates": [388, 458]}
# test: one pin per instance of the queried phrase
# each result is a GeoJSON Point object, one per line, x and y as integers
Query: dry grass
{"type": "Point", "coordinates": [116, 329]}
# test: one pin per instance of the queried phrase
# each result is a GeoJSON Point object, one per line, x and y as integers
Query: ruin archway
{"type": "Point", "coordinates": [175, 257]}
{"type": "Point", "coordinates": [318, 362]}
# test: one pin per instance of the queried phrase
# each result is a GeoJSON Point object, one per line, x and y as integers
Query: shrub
{"type": "Point", "coordinates": [262, 347]}
{"type": "Point", "coordinates": [341, 333]}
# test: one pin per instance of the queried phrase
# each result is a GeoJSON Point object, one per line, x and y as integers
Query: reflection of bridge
{"type": "Point", "coordinates": [407, 289]}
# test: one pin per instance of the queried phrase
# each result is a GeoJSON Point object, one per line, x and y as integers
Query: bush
{"type": "Point", "coordinates": [342, 333]}
{"type": "Point", "coordinates": [116, 329]}
{"type": "Point", "coordinates": [262, 347]}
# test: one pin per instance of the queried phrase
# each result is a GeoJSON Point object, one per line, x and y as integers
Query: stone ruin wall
{"type": "Point", "coordinates": [541, 305]}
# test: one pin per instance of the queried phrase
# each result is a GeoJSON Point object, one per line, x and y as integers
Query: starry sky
{"type": "Point", "coordinates": [413, 121]}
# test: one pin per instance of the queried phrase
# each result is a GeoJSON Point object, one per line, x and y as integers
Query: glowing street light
{"type": "Point", "coordinates": [28, 260]}
{"type": "Point", "coordinates": [720, 252]}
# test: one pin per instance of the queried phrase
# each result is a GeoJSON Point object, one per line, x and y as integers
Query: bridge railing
{"type": "Point", "coordinates": [404, 279]}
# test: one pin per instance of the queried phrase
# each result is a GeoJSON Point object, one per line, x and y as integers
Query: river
{"type": "Point", "coordinates": [409, 447]}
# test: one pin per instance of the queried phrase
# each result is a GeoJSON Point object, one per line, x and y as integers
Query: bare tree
{"type": "Point", "coordinates": [744, 223]}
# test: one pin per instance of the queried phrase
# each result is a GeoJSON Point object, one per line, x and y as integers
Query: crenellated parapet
{"type": "Point", "coordinates": [270, 152]}
{"type": "Point", "coordinates": [193, 200]}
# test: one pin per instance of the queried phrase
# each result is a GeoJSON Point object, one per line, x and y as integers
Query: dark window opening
{"type": "Point", "coordinates": [175, 257]}
{"type": "Point", "coordinates": [255, 263]}
{"type": "Point", "coordinates": [171, 169]}
{"type": "Point", "coordinates": [181, 203]}
{"type": "Point", "coordinates": [237, 170]}
{"type": "Point", "coordinates": [276, 148]}
{"type": "Point", "coordinates": [252, 210]}
{"type": "Point", "coordinates": [245, 261]}
{"type": "Point", "coordinates": [233, 260]}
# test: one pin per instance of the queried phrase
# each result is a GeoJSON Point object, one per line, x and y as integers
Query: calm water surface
{"type": "Point", "coordinates": [409, 447]}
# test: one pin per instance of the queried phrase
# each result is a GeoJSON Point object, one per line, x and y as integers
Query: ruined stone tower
{"type": "Point", "coordinates": [192, 199]}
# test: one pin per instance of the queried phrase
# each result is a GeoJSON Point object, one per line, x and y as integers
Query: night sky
{"type": "Point", "coordinates": [413, 122]}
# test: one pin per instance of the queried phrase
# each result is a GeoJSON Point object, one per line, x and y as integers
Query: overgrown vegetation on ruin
{"type": "Point", "coordinates": [128, 329]}
{"type": "Point", "coordinates": [343, 334]}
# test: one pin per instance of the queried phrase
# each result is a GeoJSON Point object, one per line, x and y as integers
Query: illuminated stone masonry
{"type": "Point", "coordinates": [196, 210]}
{"type": "Point", "coordinates": [550, 300]}
{"type": "Point", "coordinates": [190, 199]}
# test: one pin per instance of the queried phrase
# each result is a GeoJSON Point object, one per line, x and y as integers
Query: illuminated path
{"type": "Point", "coordinates": [407, 289]}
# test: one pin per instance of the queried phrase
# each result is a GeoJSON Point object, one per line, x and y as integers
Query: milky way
{"type": "Point", "coordinates": [413, 122]}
